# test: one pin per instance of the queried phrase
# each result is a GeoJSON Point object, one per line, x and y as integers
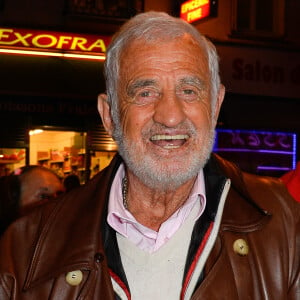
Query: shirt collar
{"type": "Point", "coordinates": [118, 217]}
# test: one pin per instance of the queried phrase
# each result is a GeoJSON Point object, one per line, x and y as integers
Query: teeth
{"type": "Point", "coordinates": [159, 137]}
{"type": "Point", "coordinates": [171, 147]}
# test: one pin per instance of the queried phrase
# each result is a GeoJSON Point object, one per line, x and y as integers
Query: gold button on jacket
{"type": "Point", "coordinates": [74, 278]}
{"type": "Point", "coordinates": [240, 247]}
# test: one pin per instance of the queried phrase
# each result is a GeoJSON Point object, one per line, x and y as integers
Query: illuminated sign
{"type": "Point", "coordinates": [50, 40]}
{"type": "Point", "coordinates": [261, 152]}
{"type": "Point", "coordinates": [194, 10]}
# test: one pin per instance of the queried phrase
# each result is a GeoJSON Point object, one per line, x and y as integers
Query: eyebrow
{"type": "Point", "coordinates": [141, 83]}
{"type": "Point", "coordinates": [193, 80]}
{"type": "Point", "coordinates": [43, 189]}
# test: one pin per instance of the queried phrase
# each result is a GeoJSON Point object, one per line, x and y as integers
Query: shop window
{"type": "Point", "coordinates": [255, 18]}
{"type": "Point", "coordinates": [11, 159]}
{"type": "Point", "coordinates": [66, 152]}
{"type": "Point", "coordinates": [100, 160]}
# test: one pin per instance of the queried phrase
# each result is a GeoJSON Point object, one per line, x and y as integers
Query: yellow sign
{"type": "Point", "coordinates": [194, 10]}
{"type": "Point", "coordinates": [21, 38]}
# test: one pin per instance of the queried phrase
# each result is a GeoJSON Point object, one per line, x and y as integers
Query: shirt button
{"type": "Point", "coordinates": [240, 247]}
{"type": "Point", "coordinates": [74, 278]}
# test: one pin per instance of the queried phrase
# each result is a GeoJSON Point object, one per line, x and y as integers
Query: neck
{"type": "Point", "coordinates": [152, 207]}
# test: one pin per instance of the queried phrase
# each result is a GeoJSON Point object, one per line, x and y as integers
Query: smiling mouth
{"type": "Point", "coordinates": [169, 141]}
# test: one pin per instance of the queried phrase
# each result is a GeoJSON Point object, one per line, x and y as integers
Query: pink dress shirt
{"type": "Point", "coordinates": [121, 220]}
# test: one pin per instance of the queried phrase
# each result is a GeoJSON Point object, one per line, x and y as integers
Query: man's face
{"type": "Point", "coordinates": [166, 119]}
{"type": "Point", "coordinates": [39, 185]}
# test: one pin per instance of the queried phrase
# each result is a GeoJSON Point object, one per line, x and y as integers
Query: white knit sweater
{"type": "Point", "coordinates": [158, 275]}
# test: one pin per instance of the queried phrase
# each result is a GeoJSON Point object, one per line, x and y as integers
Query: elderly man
{"type": "Point", "coordinates": [166, 219]}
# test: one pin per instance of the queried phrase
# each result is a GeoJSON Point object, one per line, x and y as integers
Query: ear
{"type": "Point", "coordinates": [104, 111]}
{"type": "Point", "coordinates": [220, 98]}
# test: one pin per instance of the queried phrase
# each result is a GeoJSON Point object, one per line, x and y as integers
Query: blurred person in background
{"type": "Point", "coordinates": [37, 185]}
{"type": "Point", "coordinates": [9, 200]}
{"type": "Point", "coordinates": [70, 182]}
{"type": "Point", "coordinates": [25, 189]}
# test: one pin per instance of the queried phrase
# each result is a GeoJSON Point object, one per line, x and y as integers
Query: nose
{"type": "Point", "coordinates": [169, 110]}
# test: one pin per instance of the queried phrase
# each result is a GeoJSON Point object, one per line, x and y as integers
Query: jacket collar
{"type": "Point", "coordinates": [71, 226]}
{"type": "Point", "coordinates": [241, 212]}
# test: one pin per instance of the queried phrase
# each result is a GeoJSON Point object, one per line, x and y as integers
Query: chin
{"type": "Point", "coordinates": [160, 172]}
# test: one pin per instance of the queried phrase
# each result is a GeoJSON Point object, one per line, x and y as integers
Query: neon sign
{"type": "Point", "coordinates": [50, 40]}
{"type": "Point", "coordinates": [194, 10]}
{"type": "Point", "coordinates": [262, 152]}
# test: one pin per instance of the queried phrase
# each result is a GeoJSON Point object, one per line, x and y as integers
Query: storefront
{"type": "Point", "coordinates": [259, 120]}
{"type": "Point", "coordinates": [50, 82]}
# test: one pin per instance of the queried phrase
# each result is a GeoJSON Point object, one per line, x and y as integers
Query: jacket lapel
{"type": "Point", "coordinates": [76, 225]}
{"type": "Point", "coordinates": [71, 235]}
{"type": "Point", "coordinates": [241, 213]}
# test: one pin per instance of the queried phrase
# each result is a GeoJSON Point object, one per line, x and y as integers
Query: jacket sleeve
{"type": "Point", "coordinates": [285, 213]}
{"type": "Point", "coordinates": [294, 291]}
{"type": "Point", "coordinates": [16, 250]}
{"type": "Point", "coordinates": [6, 287]}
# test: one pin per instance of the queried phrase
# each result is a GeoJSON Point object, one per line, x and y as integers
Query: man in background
{"type": "Point", "coordinates": [27, 188]}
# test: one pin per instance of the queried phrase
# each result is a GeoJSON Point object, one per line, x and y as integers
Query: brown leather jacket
{"type": "Point", "coordinates": [39, 251]}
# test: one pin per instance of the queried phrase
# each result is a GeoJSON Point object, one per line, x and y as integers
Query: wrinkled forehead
{"type": "Point", "coordinates": [186, 38]}
{"type": "Point", "coordinates": [185, 42]}
{"type": "Point", "coordinates": [148, 60]}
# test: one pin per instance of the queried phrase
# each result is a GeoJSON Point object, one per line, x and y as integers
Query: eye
{"type": "Point", "coordinates": [146, 96]}
{"type": "Point", "coordinates": [45, 196]}
{"type": "Point", "coordinates": [189, 94]}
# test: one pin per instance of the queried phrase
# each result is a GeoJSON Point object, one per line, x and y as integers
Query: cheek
{"type": "Point", "coordinates": [133, 128]}
{"type": "Point", "coordinates": [133, 120]}
{"type": "Point", "coordinates": [200, 116]}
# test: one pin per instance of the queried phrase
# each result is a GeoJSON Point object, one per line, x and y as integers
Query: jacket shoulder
{"type": "Point", "coordinates": [268, 193]}
{"type": "Point", "coordinates": [52, 232]}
